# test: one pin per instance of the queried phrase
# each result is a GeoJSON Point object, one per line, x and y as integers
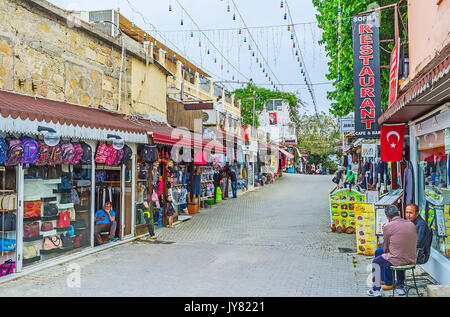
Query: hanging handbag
{"type": "Point", "coordinates": [31, 229]}
{"type": "Point", "coordinates": [64, 220]}
{"type": "Point", "coordinates": [66, 241]}
{"type": "Point", "coordinates": [51, 243]}
{"type": "Point", "coordinates": [74, 196]}
{"type": "Point", "coordinates": [30, 251]}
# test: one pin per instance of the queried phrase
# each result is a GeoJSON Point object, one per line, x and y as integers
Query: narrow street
{"type": "Point", "coordinates": [271, 242]}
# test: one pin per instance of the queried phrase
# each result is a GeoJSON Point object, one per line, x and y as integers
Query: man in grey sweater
{"type": "Point", "coordinates": [399, 246]}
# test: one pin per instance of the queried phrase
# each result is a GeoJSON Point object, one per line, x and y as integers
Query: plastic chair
{"type": "Point", "coordinates": [407, 287]}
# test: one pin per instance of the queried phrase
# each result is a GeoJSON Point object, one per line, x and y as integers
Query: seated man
{"type": "Point", "coordinates": [424, 234]}
{"type": "Point", "coordinates": [399, 246]}
{"type": "Point", "coordinates": [105, 221]}
{"type": "Point", "coordinates": [349, 179]}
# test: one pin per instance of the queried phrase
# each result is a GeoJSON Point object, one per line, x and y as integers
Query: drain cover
{"type": "Point", "coordinates": [347, 250]}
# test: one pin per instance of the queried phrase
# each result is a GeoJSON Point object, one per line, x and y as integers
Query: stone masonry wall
{"type": "Point", "coordinates": [40, 55]}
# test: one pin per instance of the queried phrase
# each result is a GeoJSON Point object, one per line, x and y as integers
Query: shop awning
{"type": "Point", "coordinates": [424, 94]}
{"type": "Point", "coordinates": [165, 134]}
{"type": "Point", "coordinates": [287, 154]}
{"type": "Point", "coordinates": [24, 114]}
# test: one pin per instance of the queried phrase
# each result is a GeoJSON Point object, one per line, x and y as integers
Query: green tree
{"type": "Point", "coordinates": [253, 95]}
{"type": "Point", "coordinates": [318, 137]}
{"type": "Point", "coordinates": [342, 100]}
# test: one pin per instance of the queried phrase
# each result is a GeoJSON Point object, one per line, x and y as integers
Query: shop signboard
{"type": "Point", "coordinates": [366, 74]}
{"type": "Point", "coordinates": [366, 239]}
{"type": "Point", "coordinates": [393, 75]}
{"type": "Point", "coordinates": [347, 125]}
{"type": "Point", "coordinates": [368, 150]}
{"type": "Point", "coordinates": [342, 205]}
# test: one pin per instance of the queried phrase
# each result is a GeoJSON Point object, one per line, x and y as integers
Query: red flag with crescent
{"type": "Point", "coordinates": [391, 142]}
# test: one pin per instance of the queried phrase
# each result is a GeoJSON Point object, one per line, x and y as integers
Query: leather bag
{"type": "Point", "coordinates": [66, 241]}
{"type": "Point", "coordinates": [64, 219]}
{"type": "Point", "coordinates": [47, 226]}
{"type": "Point", "coordinates": [30, 251]}
{"type": "Point", "coordinates": [32, 209]}
{"type": "Point", "coordinates": [51, 243]}
{"type": "Point", "coordinates": [31, 229]}
{"type": "Point", "coordinates": [50, 210]}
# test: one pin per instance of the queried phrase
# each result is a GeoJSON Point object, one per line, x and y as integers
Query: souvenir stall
{"type": "Point", "coordinates": [47, 176]}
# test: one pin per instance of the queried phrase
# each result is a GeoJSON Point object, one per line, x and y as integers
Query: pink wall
{"type": "Point", "coordinates": [428, 31]}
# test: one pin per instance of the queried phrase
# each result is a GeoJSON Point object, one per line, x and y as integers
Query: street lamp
{"type": "Point", "coordinates": [121, 64]}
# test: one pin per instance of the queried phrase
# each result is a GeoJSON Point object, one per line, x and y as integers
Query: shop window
{"type": "Point", "coordinates": [8, 220]}
{"type": "Point", "coordinates": [143, 196]}
{"type": "Point", "coordinates": [107, 189]}
{"type": "Point", "coordinates": [56, 211]}
{"type": "Point", "coordinates": [433, 155]}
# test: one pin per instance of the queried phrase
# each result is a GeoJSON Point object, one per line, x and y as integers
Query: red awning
{"type": "Point", "coordinates": [165, 134]}
{"type": "Point", "coordinates": [287, 154]}
{"type": "Point", "coordinates": [41, 110]}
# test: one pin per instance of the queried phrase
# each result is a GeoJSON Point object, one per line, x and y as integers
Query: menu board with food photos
{"type": "Point", "coordinates": [342, 208]}
{"type": "Point", "coordinates": [366, 238]}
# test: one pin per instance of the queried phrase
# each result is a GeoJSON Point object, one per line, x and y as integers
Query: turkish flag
{"type": "Point", "coordinates": [391, 140]}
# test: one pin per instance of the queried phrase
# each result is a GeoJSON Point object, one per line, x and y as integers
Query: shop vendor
{"type": "Point", "coordinates": [105, 221]}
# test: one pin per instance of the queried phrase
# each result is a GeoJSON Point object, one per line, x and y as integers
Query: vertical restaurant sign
{"type": "Point", "coordinates": [366, 74]}
{"type": "Point", "coordinates": [393, 74]}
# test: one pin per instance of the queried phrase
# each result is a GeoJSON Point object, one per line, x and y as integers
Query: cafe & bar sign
{"type": "Point", "coordinates": [366, 74]}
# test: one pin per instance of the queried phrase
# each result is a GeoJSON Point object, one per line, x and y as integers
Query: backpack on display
{"type": "Point", "coordinates": [119, 157]}
{"type": "Point", "coordinates": [102, 153]}
{"type": "Point", "coordinates": [30, 150]}
{"type": "Point", "coordinates": [7, 221]}
{"type": "Point", "coordinates": [14, 152]}
{"type": "Point", "coordinates": [112, 154]}
{"type": "Point", "coordinates": [55, 156]}
{"type": "Point", "coordinates": [67, 152]}
{"type": "Point", "coordinates": [43, 154]}
{"type": "Point", "coordinates": [74, 196]}
{"type": "Point", "coordinates": [86, 158]}
{"type": "Point", "coordinates": [127, 153]}
{"type": "Point", "coordinates": [3, 150]}
{"type": "Point", "coordinates": [77, 153]}
{"type": "Point", "coordinates": [149, 153]}
{"type": "Point", "coordinates": [8, 267]}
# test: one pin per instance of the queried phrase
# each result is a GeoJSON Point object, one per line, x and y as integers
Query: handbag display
{"type": "Point", "coordinates": [8, 202]}
{"type": "Point", "coordinates": [32, 209]}
{"type": "Point", "coordinates": [79, 224]}
{"type": "Point", "coordinates": [7, 267]}
{"type": "Point", "coordinates": [64, 220]}
{"type": "Point", "coordinates": [7, 244]}
{"type": "Point", "coordinates": [50, 210]}
{"type": "Point", "coordinates": [66, 241]}
{"type": "Point", "coordinates": [31, 229]}
{"type": "Point", "coordinates": [51, 243]}
{"type": "Point", "coordinates": [30, 251]}
{"type": "Point", "coordinates": [47, 226]}
{"type": "Point", "coordinates": [76, 240]}
{"type": "Point", "coordinates": [65, 199]}
{"type": "Point", "coordinates": [7, 222]}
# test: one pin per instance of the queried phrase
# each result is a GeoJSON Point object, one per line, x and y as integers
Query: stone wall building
{"type": "Point", "coordinates": [46, 51]}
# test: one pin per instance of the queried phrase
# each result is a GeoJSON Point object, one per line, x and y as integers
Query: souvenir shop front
{"type": "Point", "coordinates": [430, 149]}
{"type": "Point", "coordinates": [48, 177]}
{"type": "Point", "coordinates": [180, 169]}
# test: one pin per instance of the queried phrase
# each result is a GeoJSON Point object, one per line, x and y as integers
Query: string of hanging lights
{"type": "Point", "coordinates": [303, 70]}
{"type": "Point", "coordinates": [210, 42]}
{"type": "Point", "coordinates": [257, 48]}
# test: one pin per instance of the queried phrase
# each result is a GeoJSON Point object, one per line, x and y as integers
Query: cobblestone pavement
{"type": "Point", "coordinates": [271, 242]}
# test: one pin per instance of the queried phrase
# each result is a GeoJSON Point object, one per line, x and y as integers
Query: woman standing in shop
{"type": "Point", "coordinates": [169, 210]}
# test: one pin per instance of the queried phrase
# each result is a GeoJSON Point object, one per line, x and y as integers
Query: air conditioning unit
{"type": "Point", "coordinates": [209, 117]}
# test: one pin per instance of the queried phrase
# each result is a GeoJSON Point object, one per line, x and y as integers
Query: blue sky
{"type": "Point", "coordinates": [270, 41]}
